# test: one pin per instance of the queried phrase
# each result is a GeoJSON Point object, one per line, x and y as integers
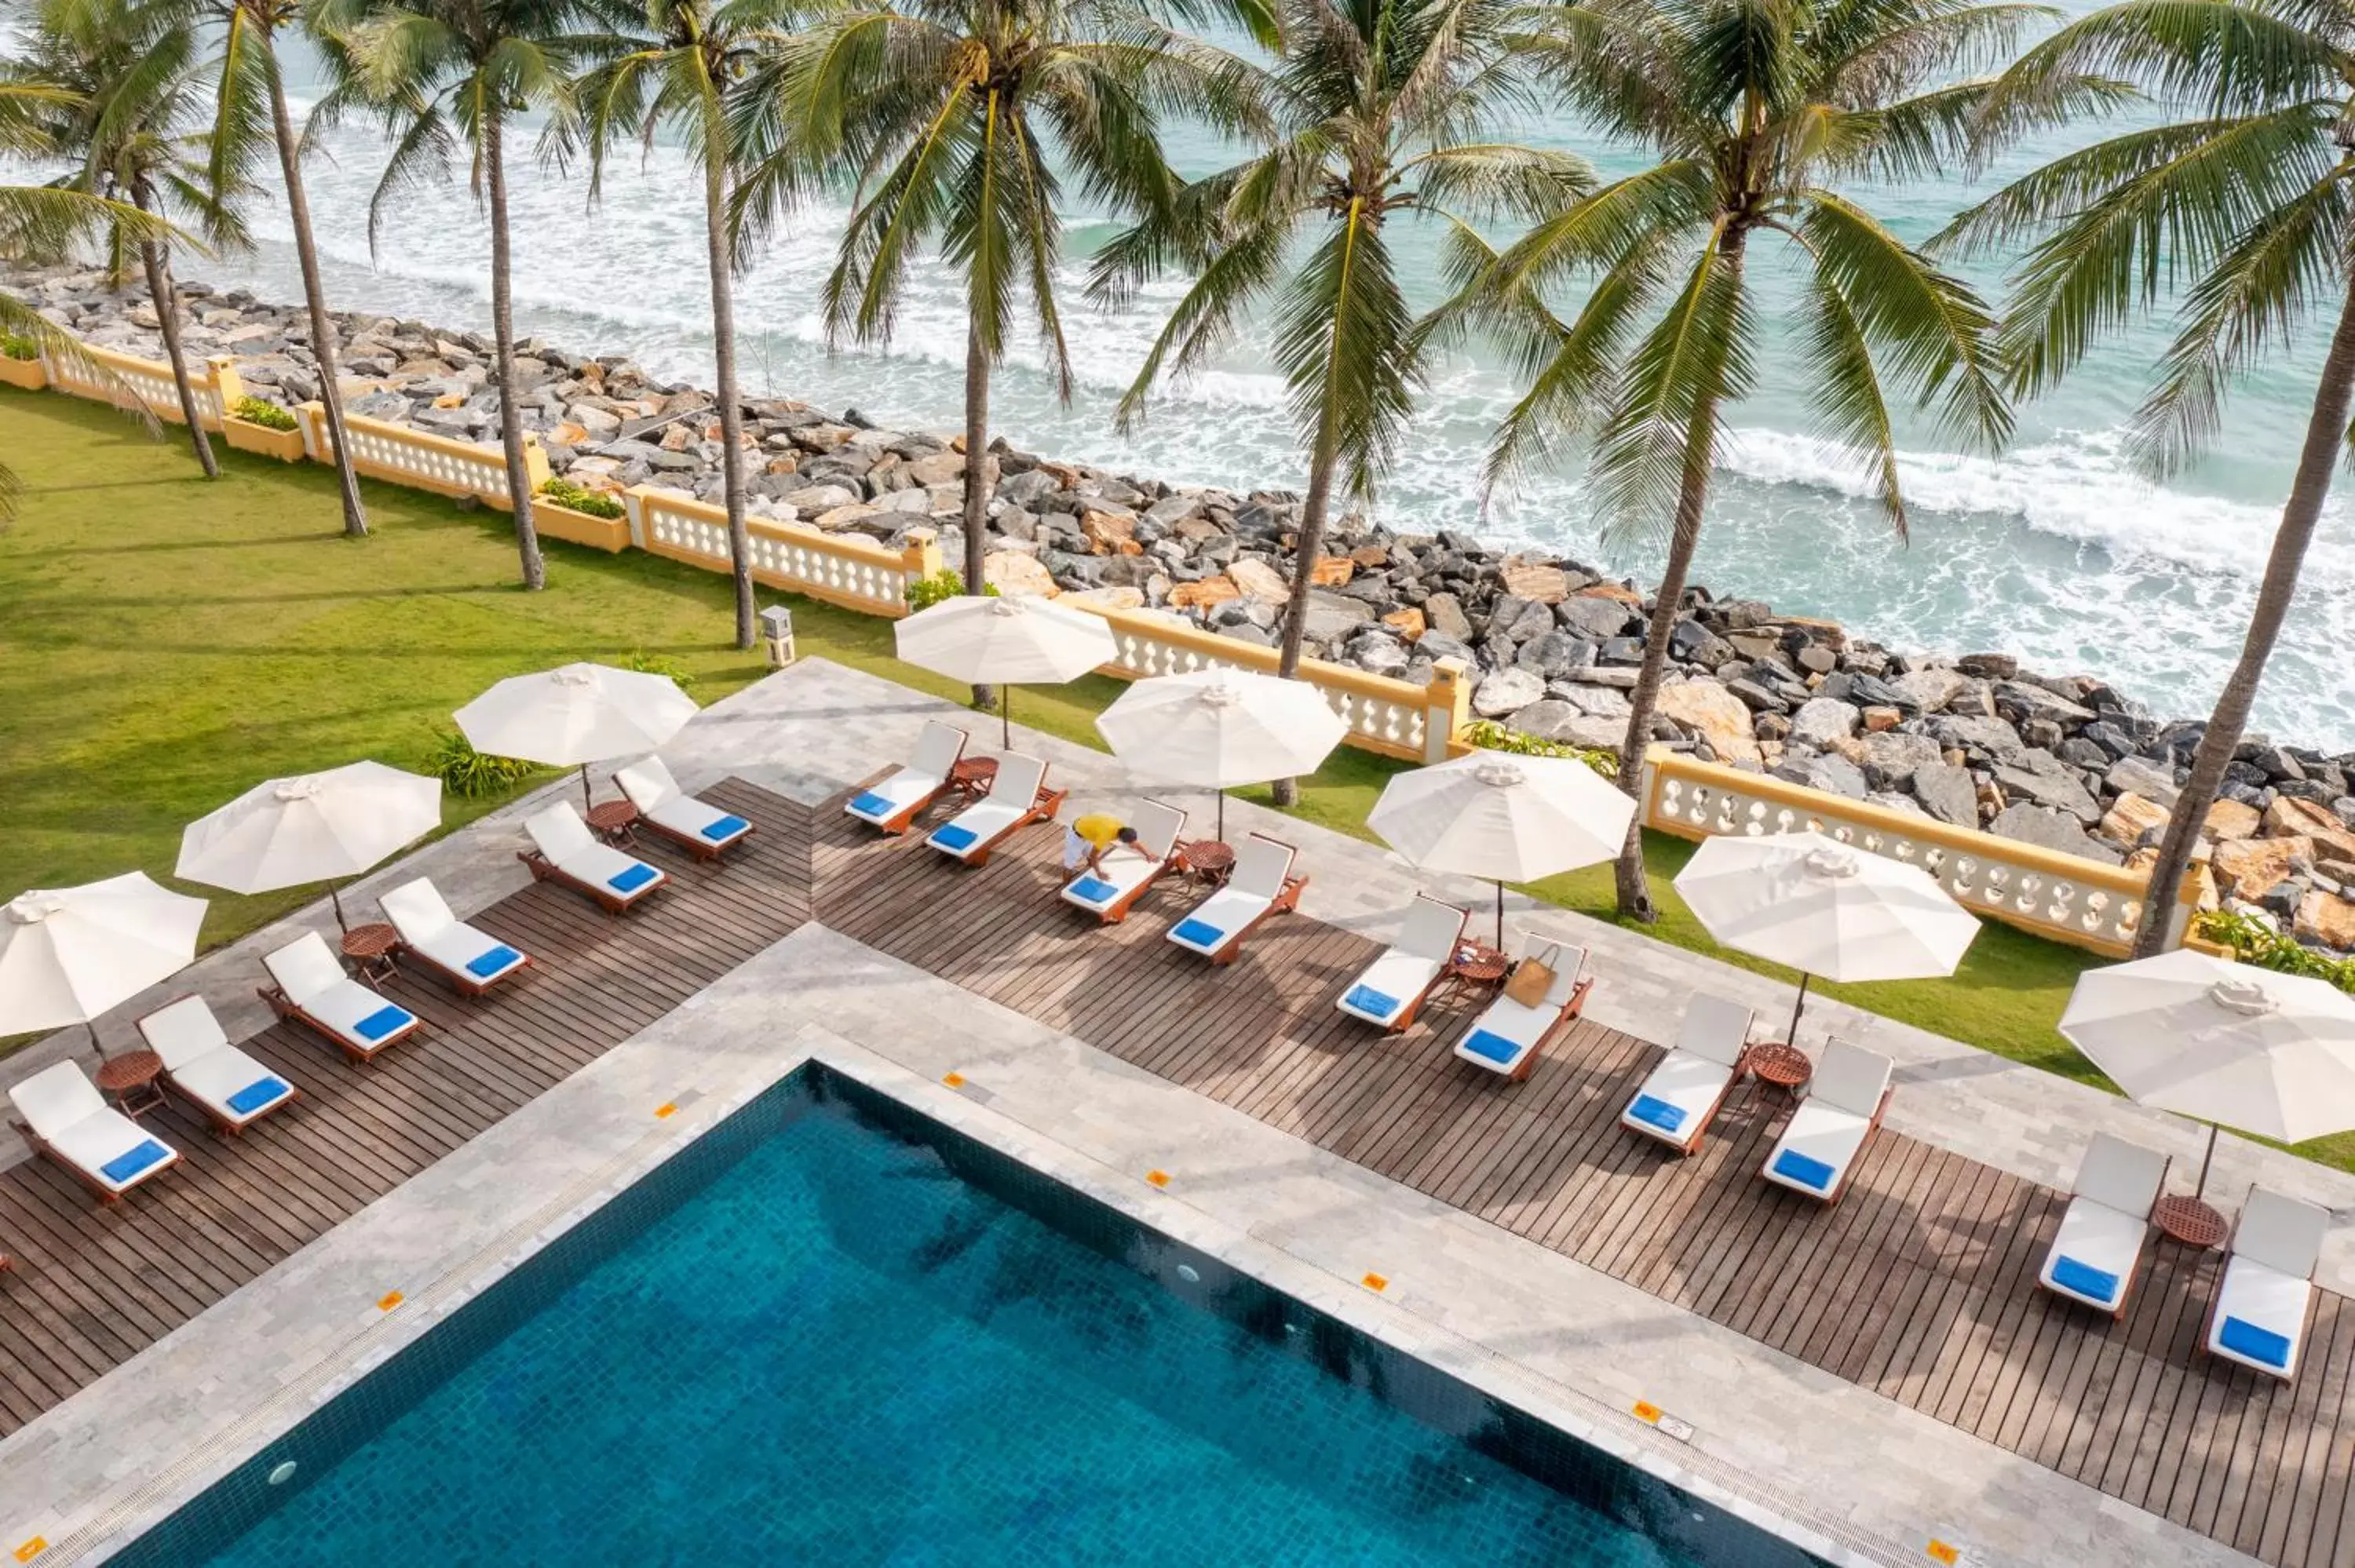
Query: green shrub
{"type": "Point", "coordinates": [647, 664]}
{"type": "Point", "coordinates": [1490, 735]}
{"type": "Point", "coordinates": [470, 774]}
{"type": "Point", "coordinates": [16, 346]}
{"type": "Point", "coordinates": [262, 411]}
{"type": "Point", "coordinates": [564, 492]}
{"type": "Point", "coordinates": [2260, 946]}
{"type": "Point", "coordinates": [926, 592]}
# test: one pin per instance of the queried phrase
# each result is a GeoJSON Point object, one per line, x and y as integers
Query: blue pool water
{"type": "Point", "coordinates": [833, 1332]}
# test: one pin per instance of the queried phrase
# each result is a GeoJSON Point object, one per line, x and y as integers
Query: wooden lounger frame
{"type": "Point", "coordinates": [465, 983]}
{"type": "Point", "coordinates": [1286, 900]}
{"type": "Point", "coordinates": [900, 821]}
{"type": "Point", "coordinates": [221, 1123]}
{"type": "Point", "coordinates": [1042, 810]}
{"type": "Point", "coordinates": [1849, 1171]}
{"type": "Point", "coordinates": [696, 844]}
{"type": "Point", "coordinates": [283, 1007]}
{"type": "Point", "coordinates": [615, 903]}
{"type": "Point", "coordinates": [1709, 1117]}
{"type": "Point", "coordinates": [41, 1145]}
{"type": "Point", "coordinates": [1562, 1020]}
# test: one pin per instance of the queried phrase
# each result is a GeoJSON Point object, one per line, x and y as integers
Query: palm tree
{"type": "Point", "coordinates": [41, 224]}
{"type": "Point", "coordinates": [249, 108]}
{"type": "Point", "coordinates": [1380, 107]}
{"type": "Point", "coordinates": [137, 88]}
{"type": "Point", "coordinates": [942, 111]}
{"type": "Point", "coordinates": [689, 68]}
{"type": "Point", "coordinates": [1758, 109]}
{"type": "Point", "coordinates": [2251, 198]}
{"type": "Point", "coordinates": [440, 72]}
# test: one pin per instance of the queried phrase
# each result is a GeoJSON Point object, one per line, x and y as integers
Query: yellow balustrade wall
{"type": "Point", "coordinates": [2059, 896]}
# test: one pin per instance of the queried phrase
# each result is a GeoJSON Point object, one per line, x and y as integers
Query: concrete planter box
{"type": "Point", "coordinates": [246, 436]}
{"type": "Point", "coordinates": [29, 373]}
{"type": "Point", "coordinates": [607, 534]}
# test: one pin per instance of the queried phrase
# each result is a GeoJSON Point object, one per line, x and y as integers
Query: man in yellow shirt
{"type": "Point", "coordinates": [1087, 839]}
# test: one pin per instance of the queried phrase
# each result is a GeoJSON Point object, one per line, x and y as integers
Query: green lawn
{"type": "Point", "coordinates": [166, 644]}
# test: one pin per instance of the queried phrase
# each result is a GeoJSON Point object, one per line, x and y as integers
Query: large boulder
{"type": "Point", "coordinates": [2142, 775]}
{"type": "Point", "coordinates": [1822, 720]}
{"type": "Point", "coordinates": [1824, 770]}
{"type": "Point", "coordinates": [2247, 868]}
{"type": "Point", "coordinates": [1947, 793]}
{"type": "Point", "coordinates": [1507, 692]}
{"type": "Point", "coordinates": [2051, 829]}
{"type": "Point", "coordinates": [1930, 688]}
{"type": "Point", "coordinates": [2327, 918]}
{"type": "Point", "coordinates": [2045, 779]}
{"type": "Point", "coordinates": [1714, 713]}
{"type": "Point", "coordinates": [1010, 572]}
{"type": "Point", "coordinates": [2229, 819]}
{"type": "Point", "coordinates": [1537, 581]}
{"type": "Point", "coordinates": [1330, 616]}
{"type": "Point", "coordinates": [1558, 721]}
{"type": "Point", "coordinates": [1257, 579]}
{"type": "Point", "coordinates": [1892, 757]}
{"type": "Point", "coordinates": [1592, 618]}
{"type": "Point", "coordinates": [2131, 816]}
{"type": "Point", "coordinates": [2288, 817]}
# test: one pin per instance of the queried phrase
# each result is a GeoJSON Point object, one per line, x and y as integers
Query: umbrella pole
{"type": "Point", "coordinates": [1500, 915]}
{"type": "Point", "coordinates": [1005, 713]}
{"type": "Point", "coordinates": [2207, 1155]}
{"type": "Point", "coordinates": [336, 897]}
{"type": "Point", "coordinates": [1800, 1006]}
{"type": "Point", "coordinates": [90, 1027]}
{"type": "Point", "coordinates": [587, 800]}
{"type": "Point", "coordinates": [1222, 814]}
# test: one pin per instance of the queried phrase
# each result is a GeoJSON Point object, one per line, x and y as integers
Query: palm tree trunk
{"type": "Point", "coordinates": [2325, 433]}
{"type": "Point", "coordinates": [535, 570]}
{"type": "Point", "coordinates": [980, 473]}
{"type": "Point", "coordinates": [168, 319]}
{"type": "Point", "coordinates": [1634, 888]}
{"type": "Point", "coordinates": [314, 298]}
{"type": "Point", "coordinates": [1306, 546]}
{"type": "Point", "coordinates": [732, 415]}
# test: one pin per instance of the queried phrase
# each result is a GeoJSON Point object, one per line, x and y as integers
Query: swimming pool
{"type": "Point", "coordinates": [832, 1331]}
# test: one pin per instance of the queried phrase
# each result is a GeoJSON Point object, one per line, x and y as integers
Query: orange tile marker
{"type": "Point", "coordinates": [32, 1548]}
{"type": "Point", "coordinates": [390, 1299]}
{"type": "Point", "coordinates": [1375, 1282]}
{"type": "Point", "coordinates": [1159, 1178]}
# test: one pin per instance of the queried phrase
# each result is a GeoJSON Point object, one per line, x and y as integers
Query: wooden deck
{"type": "Point", "coordinates": [1919, 1284]}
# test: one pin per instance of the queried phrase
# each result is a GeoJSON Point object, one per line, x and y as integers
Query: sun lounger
{"type": "Point", "coordinates": [1682, 1095]}
{"type": "Point", "coordinates": [230, 1088]}
{"type": "Point", "coordinates": [1507, 1036]}
{"type": "Point", "coordinates": [67, 1120]}
{"type": "Point", "coordinates": [670, 812]}
{"type": "Point", "coordinates": [313, 989]}
{"type": "Point", "coordinates": [568, 853]}
{"type": "Point", "coordinates": [1127, 870]}
{"type": "Point", "coordinates": [1261, 885]}
{"type": "Point", "coordinates": [1017, 797]}
{"type": "Point", "coordinates": [1389, 991]}
{"type": "Point", "coordinates": [1821, 1141]}
{"type": "Point", "coordinates": [892, 803]}
{"type": "Point", "coordinates": [2099, 1247]}
{"type": "Point", "coordinates": [470, 959]}
{"type": "Point", "coordinates": [2258, 1316]}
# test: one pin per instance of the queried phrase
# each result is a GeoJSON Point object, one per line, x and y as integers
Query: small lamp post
{"type": "Point", "coordinates": [777, 634]}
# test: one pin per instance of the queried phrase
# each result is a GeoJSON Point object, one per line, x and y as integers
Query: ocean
{"type": "Point", "coordinates": [2054, 550]}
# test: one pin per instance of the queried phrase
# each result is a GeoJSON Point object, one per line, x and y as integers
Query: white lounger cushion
{"type": "Point", "coordinates": [651, 789]}
{"type": "Point", "coordinates": [419, 914]}
{"type": "Point", "coordinates": [938, 748]}
{"type": "Point", "coordinates": [66, 1111]}
{"type": "Point", "coordinates": [565, 840]}
{"type": "Point", "coordinates": [202, 1064]}
{"type": "Point", "coordinates": [2095, 1252]}
{"type": "Point", "coordinates": [1505, 1033]}
{"type": "Point", "coordinates": [1673, 1103]}
{"type": "Point", "coordinates": [1406, 969]}
{"type": "Point", "coordinates": [1013, 795]}
{"type": "Point", "coordinates": [2260, 1304]}
{"type": "Point", "coordinates": [1124, 867]}
{"type": "Point", "coordinates": [1219, 921]}
{"type": "Point", "coordinates": [1823, 1135]}
{"type": "Point", "coordinates": [338, 1003]}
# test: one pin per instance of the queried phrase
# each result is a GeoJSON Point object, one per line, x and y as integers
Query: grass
{"type": "Point", "coordinates": [170, 642]}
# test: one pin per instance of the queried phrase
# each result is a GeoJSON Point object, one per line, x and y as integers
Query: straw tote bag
{"type": "Point", "coordinates": [1532, 978]}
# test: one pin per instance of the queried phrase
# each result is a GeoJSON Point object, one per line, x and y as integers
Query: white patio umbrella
{"type": "Point", "coordinates": [1019, 639]}
{"type": "Point", "coordinates": [1216, 729]}
{"type": "Point", "coordinates": [68, 954]}
{"type": "Point", "coordinates": [1825, 910]}
{"type": "Point", "coordinates": [2269, 1053]}
{"type": "Point", "coordinates": [576, 714]}
{"type": "Point", "coordinates": [315, 826]}
{"type": "Point", "coordinates": [1507, 819]}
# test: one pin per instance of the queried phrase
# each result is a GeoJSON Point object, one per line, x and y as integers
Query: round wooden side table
{"type": "Point", "coordinates": [1478, 965]}
{"type": "Point", "coordinates": [971, 777]}
{"type": "Point", "coordinates": [1784, 1066]}
{"type": "Point", "coordinates": [2188, 1221]}
{"type": "Point", "coordinates": [613, 820]}
{"type": "Point", "coordinates": [370, 949]}
{"type": "Point", "coordinates": [131, 1081]}
{"type": "Point", "coordinates": [1208, 861]}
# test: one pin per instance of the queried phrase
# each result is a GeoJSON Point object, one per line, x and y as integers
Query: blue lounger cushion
{"type": "Point", "coordinates": [867, 804]}
{"type": "Point", "coordinates": [384, 1021]}
{"type": "Point", "coordinates": [2243, 1337]}
{"type": "Point", "coordinates": [2083, 1279]}
{"type": "Point", "coordinates": [723, 830]}
{"type": "Point", "coordinates": [254, 1095]}
{"type": "Point", "coordinates": [1366, 999]}
{"type": "Point", "coordinates": [1094, 889]}
{"type": "Point", "coordinates": [498, 960]}
{"type": "Point", "coordinates": [955, 836]}
{"type": "Point", "coordinates": [1495, 1048]}
{"type": "Point", "coordinates": [1807, 1172]}
{"type": "Point", "coordinates": [129, 1163]}
{"type": "Point", "coordinates": [630, 878]}
{"type": "Point", "coordinates": [1201, 933]}
{"type": "Point", "coordinates": [1654, 1111]}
